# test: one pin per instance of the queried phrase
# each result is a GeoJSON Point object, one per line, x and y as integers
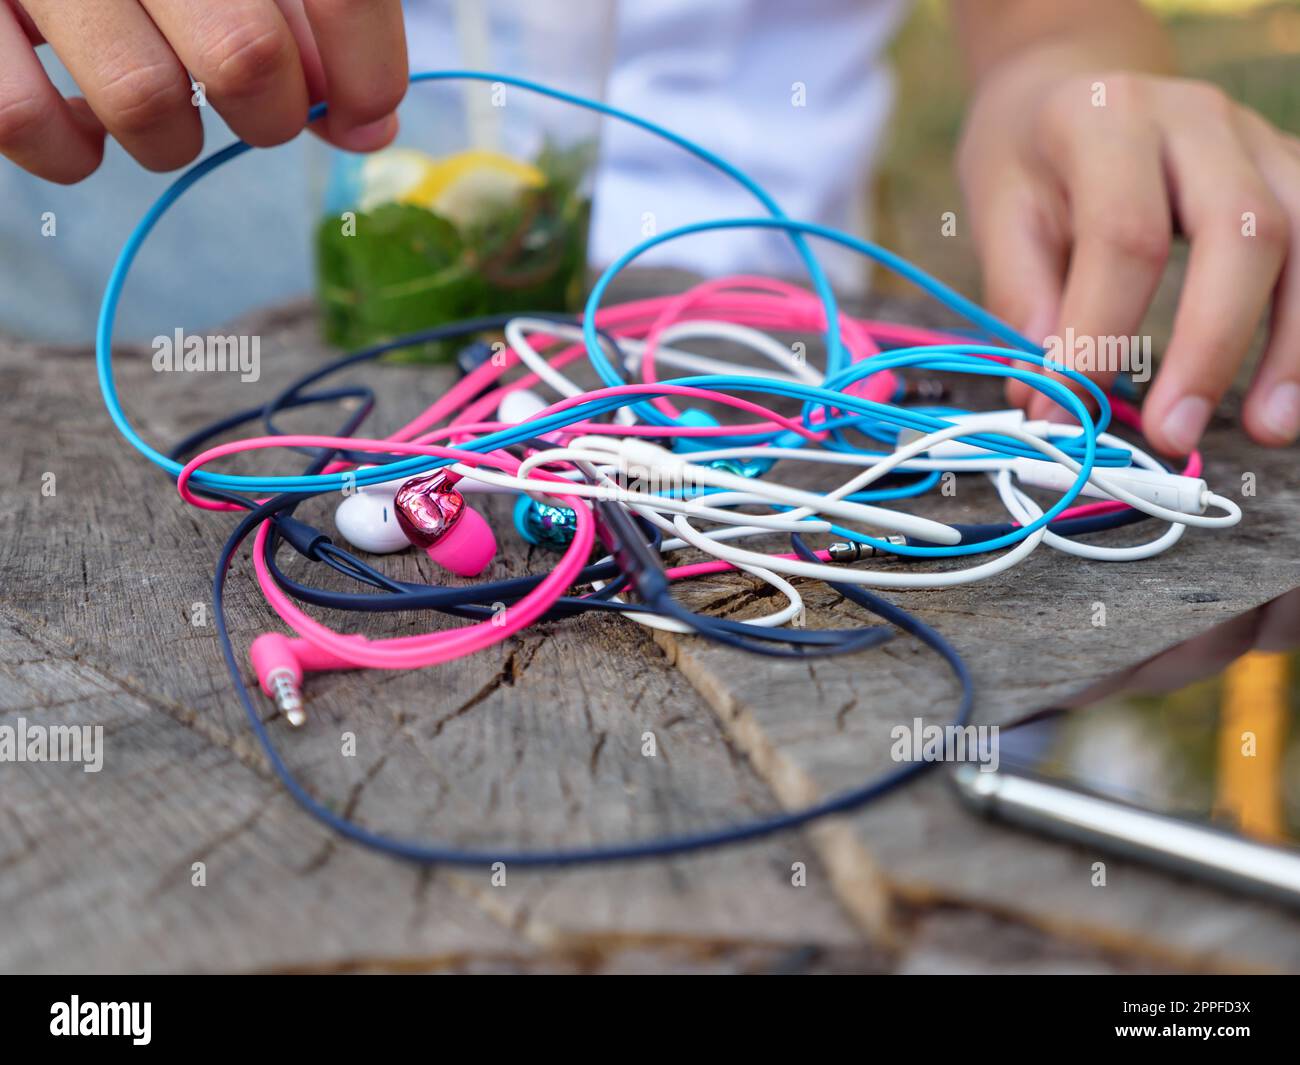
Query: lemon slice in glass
{"type": "Point", "coordinates": [464, 188]}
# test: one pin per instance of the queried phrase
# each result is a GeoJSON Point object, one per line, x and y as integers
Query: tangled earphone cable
{"type": "Point", "coordinates": [663, 846]}
{"type": "Point", "coordinates": [625, 466]}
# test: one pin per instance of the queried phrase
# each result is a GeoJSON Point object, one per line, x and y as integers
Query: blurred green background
{"type": "Point", "coordinates": [1249, 47]}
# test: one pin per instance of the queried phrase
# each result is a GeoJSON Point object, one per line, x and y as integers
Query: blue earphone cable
{"type": "Point", "coordinates": [844, 411]}
{"type": "Point", "coordinates": [135, 241]}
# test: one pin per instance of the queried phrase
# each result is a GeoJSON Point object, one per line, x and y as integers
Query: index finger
{"type": "Point", "coordinates": [1110, 159]}
{"type": "Point", "coordinates": [1238, 234]}
{"type": "Point", "coordinates": [362, 48]}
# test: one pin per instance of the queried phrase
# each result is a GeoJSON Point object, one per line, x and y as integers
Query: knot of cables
{"type": "Point", "coordinates": [638, 482]}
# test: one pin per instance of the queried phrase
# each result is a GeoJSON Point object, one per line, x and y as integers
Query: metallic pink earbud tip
{"type": "Point", "coordinates": [468, 547]}
{"type": "Point", "coordinates": [434, 516]}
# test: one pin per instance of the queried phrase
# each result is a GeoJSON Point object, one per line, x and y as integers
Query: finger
{"type": "Point", "coordinates": [308, 52]}
{"type": "Point", "coordinates": [362, 47]}
{"type": "Point", "coordinates": [1238, 236]}
{"type": "Point", "coordinates": [132, 80]}
{"type": "Point", "coordinates": [25, 21]}
{"type": "Point", "coordinates": [39, 130]}
{"type": "Point", "coordinates": [1021, 247]}
{"type": "Point", "coordinates": [245, 56]}
{"type": "Point", "coordinates": [1110, 163]}
{"type": "Point", "coordinates": [1272, 408]}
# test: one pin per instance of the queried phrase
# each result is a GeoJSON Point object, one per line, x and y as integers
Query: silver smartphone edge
{"type": "Point", "coordinates": [1184, 846]}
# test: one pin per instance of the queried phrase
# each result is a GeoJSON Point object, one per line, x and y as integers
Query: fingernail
{"type": "Point", "coordinates": [1039, 325]}
{"type": "Point", "coordinates": [369, 137]}
{"type": "Point", "coordinates": [1281, 412]}
{"type": "Point", "coordinates": [1186, 421]}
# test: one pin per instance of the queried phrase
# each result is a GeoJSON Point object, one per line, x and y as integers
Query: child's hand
{"type": "Point", "coordinates": [260, 63]}
{"type": "Point", "coordinates": [1077, 183]}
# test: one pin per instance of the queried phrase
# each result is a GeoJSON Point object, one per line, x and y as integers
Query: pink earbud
{"type": "Point", "coordinates": [435, 516]}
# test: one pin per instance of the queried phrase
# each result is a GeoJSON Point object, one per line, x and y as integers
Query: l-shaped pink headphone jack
{"type": "Point", "coordinates": [280, 661]}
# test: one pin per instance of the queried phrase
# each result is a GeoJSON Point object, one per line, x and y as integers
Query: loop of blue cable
{"type": "Point", "coordinates": [135, 241]}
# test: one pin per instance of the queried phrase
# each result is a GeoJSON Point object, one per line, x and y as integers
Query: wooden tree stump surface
{"type": "Point", "coordinates": [539, 740]}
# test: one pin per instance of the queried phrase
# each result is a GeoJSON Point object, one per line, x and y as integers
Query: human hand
{"type": "Point", "coordinates": [261, 64]}
{"type": "Point", "coordinates": [1077, 183]}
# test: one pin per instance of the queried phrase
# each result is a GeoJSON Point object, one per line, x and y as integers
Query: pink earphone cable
{"type": "Point", "coordinates": [741, 300]}
{"type": "Point", "coordinates": [407, 652]}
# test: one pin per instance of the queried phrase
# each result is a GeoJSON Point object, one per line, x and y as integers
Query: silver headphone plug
{"type": "Point", "coordinates": [288, 699]}
{"type": "Point", "coordinates": [842, 552]}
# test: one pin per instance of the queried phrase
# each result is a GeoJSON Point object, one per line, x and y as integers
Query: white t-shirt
{"type": "Point", "coordinates": [792, 93]}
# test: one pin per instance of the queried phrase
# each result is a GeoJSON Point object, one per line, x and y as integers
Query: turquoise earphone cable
{"type": "Point", "coordinates": [829, 398]}
{"type": "Point", "coordinates": [968, 309]}
{"type": "Point", "coordinates": [135, 241]}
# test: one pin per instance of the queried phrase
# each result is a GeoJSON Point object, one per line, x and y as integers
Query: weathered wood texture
{"type": "Point", "coordinates": [539, 741]}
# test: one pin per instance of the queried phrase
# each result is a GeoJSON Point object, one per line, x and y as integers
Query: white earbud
{"type": "Point", "coordinates": [368, 520]}
{"type": "Point", "coordinates": [384, 489]}
{"type": "Point", "coordinates": [1190, 495]}
{"type": "Point", "coordinates": [520, 406]}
